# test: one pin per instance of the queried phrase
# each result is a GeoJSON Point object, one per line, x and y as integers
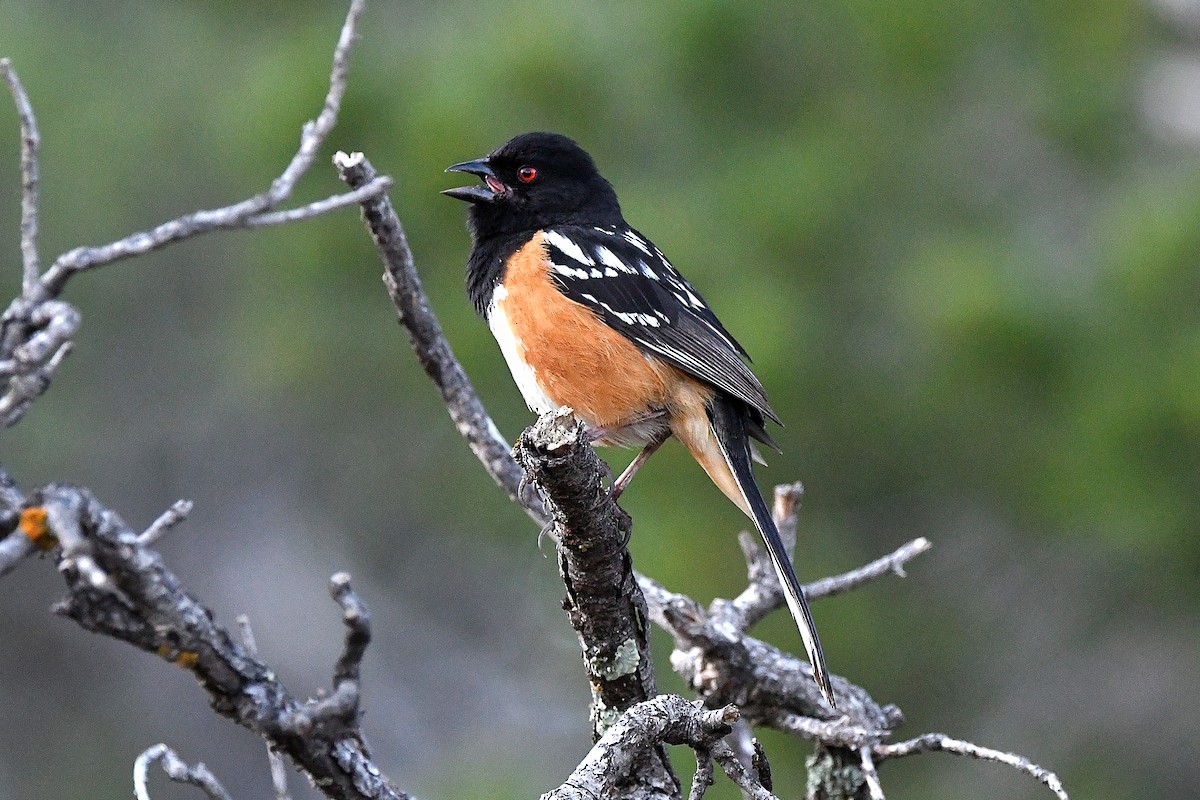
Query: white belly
{"type": "Point", "coordinates": [522, 373]}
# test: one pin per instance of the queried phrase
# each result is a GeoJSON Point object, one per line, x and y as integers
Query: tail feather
{"type": "Point", "coordinates": [730, 430]}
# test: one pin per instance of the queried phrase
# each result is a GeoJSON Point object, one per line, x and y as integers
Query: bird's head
{"type": "Point", "coordinates": [536, 180]}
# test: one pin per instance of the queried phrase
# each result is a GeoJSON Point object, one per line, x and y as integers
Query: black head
{"type": "Point", "coordinates": [533, 181]}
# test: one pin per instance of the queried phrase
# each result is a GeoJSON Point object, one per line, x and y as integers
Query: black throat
{"type": "Point", "coordinates": [485, 267]}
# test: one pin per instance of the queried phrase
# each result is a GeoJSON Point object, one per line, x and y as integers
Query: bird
{"type": "Point", "coordinates": [590, 314]}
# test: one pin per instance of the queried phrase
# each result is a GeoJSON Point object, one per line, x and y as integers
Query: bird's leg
{"type": "Point", "coordinates": [621, 482]}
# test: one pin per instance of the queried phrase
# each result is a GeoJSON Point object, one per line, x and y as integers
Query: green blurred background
{"type": "Point", "coordinates": [961, 240]}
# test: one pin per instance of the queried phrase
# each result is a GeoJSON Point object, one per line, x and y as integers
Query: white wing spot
{"type": "Point", "coordinates": [570, 272]}
{"type": "Point", "coordinates": [609, 259]}
{"type": "Point", "coordinates": [569, 247]}
{"type": "Point", "coordinates": [637, 242]}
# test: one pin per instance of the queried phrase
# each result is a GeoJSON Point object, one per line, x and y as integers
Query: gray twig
{"type": "Point", "coordinates": [835, 733]}
{"type": "Point", "coordinates": [319, 207]}
{"type": "Point", "coordinates": [891, 564]}
{"type": "Point", "coordinates": [704, 774]}
{"type": "Point", "coordinates": [31, 141]}
{"type": "Point", "coordinates": [358, 636]}
{"type": "Point", "coordinates": [932, 742]}
{"type": "Point", "coordinates": [429, 343]}
{"type": "Point", "coordinates": [174, 515]}
{"type": "Point", "coordinates": [738, 773]}
{"type": "Point", "coordinates": [666, 719]}
{"type": "Point", "coordinates": [119, 588]}
{"type": "Point", "coordinates": [312, 136]}
{"type": "Point", "coordinates": [14, 545]}
{"type": "Point", "coordinates": [278, 768]}
{"type": "Point", "coordinates": [870, 773]}
{"type": "Point", "coordinates": [36, 329]}
{"type": "Point", "coordinates": [177, 770]}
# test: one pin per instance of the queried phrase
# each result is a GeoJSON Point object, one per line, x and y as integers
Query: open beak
{"type": "Point", "coordinates": [476, 194]}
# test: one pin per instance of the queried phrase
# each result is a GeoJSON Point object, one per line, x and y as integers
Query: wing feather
{"type": "Point", "coordinates": [624, 278]}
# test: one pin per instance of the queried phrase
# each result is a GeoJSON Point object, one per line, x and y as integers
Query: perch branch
{"type": "Point", "coordinates": [429, 343]}
{"type": "Point", "coordinates": [603, 600]}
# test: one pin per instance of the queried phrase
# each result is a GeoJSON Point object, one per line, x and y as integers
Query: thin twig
{"type": "Point", "coordinates": [319, 207]}
{"type": "Point", "coordinates": [704, 774]}
{"type": "Point", "coordinates": [932, 742]}
{"type": "Point", "coordinates": [30, 143]}
{"type": "Point", "coordinates": [870, 774]}
{"type": "Point", "coordinates": [177, 770]}
{"type": "Point", "coordinates": [891, 564]}
{"type": "Point", "coordinates": [233, 216]}
{"type": "Point", "coordinates": [737, 773]}
{"type": "Point", "coordinates": [14, 545]}
{"type": "Point", "coordinates": [36, 329]}
{"type": "Point", "coordinates": [835, 733]}
{"type": "Point", "coordinates": [429, 343]}
{"type": "Point", "coordinates": [278, 768]}
{"type": "Point", "coordinates": [358, 629]}
{"type": "Point", "coordinates": [174, 515]}
{"type": "Point", "coordinates": [762, 767]}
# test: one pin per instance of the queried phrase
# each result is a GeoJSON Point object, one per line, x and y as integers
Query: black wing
{"type": "Point", "coordinates": [622, 276]}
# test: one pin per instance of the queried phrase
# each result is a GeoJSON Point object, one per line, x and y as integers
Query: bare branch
{"type": "Point", "coordinates": [891, 564]}
{"type": "Point", "coordinates": [278, 768]}
{"type": "Point", "coordinates": [174, 515]}
{"type": "Point", "coordinates": [233, 216]}
{"type": "Point", "coordinates": [177, 770]}
{"type": "Point", "coordinates": [38, 337]}
{"type": "Point", "coordinates": [121, 589]}
{"type": "Point", "coordinates": [373, 189]}
{"type": "Point", "coordinates": [429, 343]}
{"type": "Point", "coordinates": [835, 733]}
{"type": "Point", "coordinates": [603, 599]}
{"type": "Point", "coordinates": [36, 329]}
{"type": "Point", "coordinates": [870, 774]}
{"type": "Point", "coordinates": [30, 143]}
{"type": "Point", "coordinates": [704, 774]}
{"type": "Point", "coordinates": [666, 719]}
{"type": "Point", "coordinates": [738, 773]}
{"type": "Point", "coordinates": [932, 742]}
{"type": "Point", "coordinates": [358, 631]}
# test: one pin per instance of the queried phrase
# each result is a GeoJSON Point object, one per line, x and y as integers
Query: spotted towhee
{"type": "Point", "coordinates": [590, 314]}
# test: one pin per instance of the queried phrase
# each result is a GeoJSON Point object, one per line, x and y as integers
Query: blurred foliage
{"type": "Point", "coordinates": [964, 260]}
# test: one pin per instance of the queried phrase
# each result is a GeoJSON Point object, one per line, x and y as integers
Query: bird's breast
{"type": "Point", "coordinates": [561, 353]}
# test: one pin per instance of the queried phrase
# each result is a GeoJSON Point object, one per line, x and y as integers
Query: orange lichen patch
{"type": "Point", "coordinates": [33, 525]}
{"type": "Point", "coordinates": [577, 359]}
{"type": "Point", "coordinates": [180, 658]}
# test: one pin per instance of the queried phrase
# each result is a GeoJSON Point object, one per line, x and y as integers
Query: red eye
{"type": "Point", "coordinates": [526, 174]}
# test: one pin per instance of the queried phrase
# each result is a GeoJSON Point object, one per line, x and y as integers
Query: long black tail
{"type": "Point", "coordinates": [728, 418]}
